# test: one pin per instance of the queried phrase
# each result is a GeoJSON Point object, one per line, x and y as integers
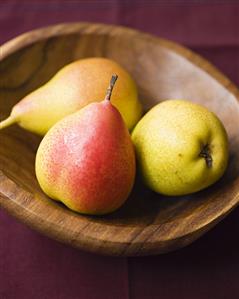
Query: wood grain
{"type": "Point", "coordinates": [148, 223]}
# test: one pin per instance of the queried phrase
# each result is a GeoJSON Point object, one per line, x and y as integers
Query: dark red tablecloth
{"type": "Point", "coordinates": [33, 266]}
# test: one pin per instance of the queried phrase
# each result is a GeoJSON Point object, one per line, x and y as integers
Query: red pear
{"type": "Point", "coordinates": [87, 160]}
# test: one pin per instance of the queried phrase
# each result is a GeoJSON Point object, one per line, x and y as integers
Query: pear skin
{"type": "Point", "coordinates": [87, 160]}
{"type": "Point", "coordinates": [181, 147]}
{"type": "Point", "coordinates": [73, 87]}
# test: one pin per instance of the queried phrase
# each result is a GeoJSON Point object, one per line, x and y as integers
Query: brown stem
{"type": "Point", "coordinates": [205, 153]}
{"type": "Point", "coordinates": [110, 88]}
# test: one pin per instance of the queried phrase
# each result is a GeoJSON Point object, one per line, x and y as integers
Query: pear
{"type": "Point", "coordinates": [181, 147]}
{"type": "Point", "coordinates": [87, 160]}
{"type": "Point", "coordinates": [73, 87]}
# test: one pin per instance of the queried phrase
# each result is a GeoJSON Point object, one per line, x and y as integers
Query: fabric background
{"type": "Point", "coordinates": [33, 266]}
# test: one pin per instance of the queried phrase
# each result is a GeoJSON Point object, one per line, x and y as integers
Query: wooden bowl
{"type": "Point", "coordinates": [148, 223]}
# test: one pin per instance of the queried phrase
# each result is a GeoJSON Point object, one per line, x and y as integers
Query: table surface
{"type": "Point", "coordinates": [33, 266]}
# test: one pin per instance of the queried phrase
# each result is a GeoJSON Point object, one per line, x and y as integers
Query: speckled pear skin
{"type": "Point", "coordinates": [74, 86]}
{"type": "Point", "coordinates": [169, 141]}
{"type": "Point", "coordinates": [87, 160]}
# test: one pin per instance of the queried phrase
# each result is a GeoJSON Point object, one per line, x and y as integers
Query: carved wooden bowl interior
{"type": "Point", "coordinates": [148, 223]}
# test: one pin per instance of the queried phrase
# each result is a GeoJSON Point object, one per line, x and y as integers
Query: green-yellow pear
{"type": "Point", "coordinates": [87, 159]}
{"type": "Point", "coordinates": [73, 87]}
{"type": "Point", "coordinates": [181, 147]}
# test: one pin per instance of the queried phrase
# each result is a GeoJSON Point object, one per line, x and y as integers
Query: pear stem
{"type": "Point", "coordinates": [110, 88]}
{"type": "Point", "coordinates": [205, 153]}
{"type": "Point", "coordinates": [7, 122]}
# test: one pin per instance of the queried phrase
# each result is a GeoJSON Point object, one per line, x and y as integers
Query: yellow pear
{"type": "Point", "coordinates": [181, 147]}
{"type": "Point", "coordinates": [73, 87]}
